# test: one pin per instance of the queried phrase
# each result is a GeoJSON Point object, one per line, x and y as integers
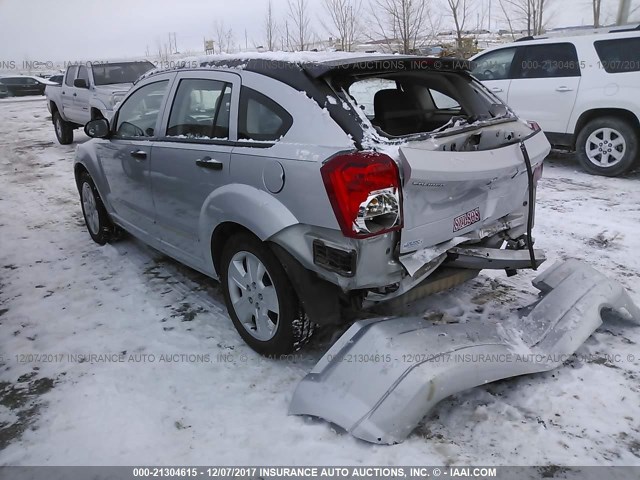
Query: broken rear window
{"type": "Point", "coordinates": [408, 103]}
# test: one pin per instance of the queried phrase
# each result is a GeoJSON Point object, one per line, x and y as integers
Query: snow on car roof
{"type": "Point", "coordinates": [316, 64]}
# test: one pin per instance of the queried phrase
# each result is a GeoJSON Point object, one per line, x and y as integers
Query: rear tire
{"type": "Point", "coordinates": [64, 131]}
{"type": "Point", "coordinates": [607, 146]}
{"type": "Point", "coordinates": [250, 275]}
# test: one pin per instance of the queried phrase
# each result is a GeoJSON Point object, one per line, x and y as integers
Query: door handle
{"type": "Point", "coordinates": [564, 89]}
{"type": "Point", "coordinates": [209, 163]}
{"type": "Point", "coordinates": [75, 94]}
{"type": "Point", "coordinates": [63, 92]}
{"type": "Point", "coordinates": [497, 90]}
{"type": "Point", "coordinates": [139, 154]}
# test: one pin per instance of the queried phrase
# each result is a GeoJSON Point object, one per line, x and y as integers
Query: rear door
{"type": "Point", "coordinates": [66, 94]}
{"type": "Point", "coordinates": [494, 69]}
{"type": "Point", "coordinates": [545, 84]}
{"type": "Point", "coordinates": [192, 157]}
{"type": "Point", "coordinates": [81, 97]}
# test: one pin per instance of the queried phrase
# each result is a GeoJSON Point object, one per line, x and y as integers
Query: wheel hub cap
{"type": "Point", "coordinates": [253, 296]}
{"type": "Point", "coordinates": [606, 147]}
{"type": "Point", "coordinates": [91, 216]}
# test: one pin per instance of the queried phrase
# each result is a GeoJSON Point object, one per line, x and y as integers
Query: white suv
{"type": "Point", "coordinates": [584, 91]}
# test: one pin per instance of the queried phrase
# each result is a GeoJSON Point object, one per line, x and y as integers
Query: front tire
{"type": "Point", "coordinates": [262, 303]}
{"type": "Point", "coordinates": [64, 131]}
{"type": "Point", "coordinates": [607, 146]}
{"type": "Point", "coordinates": [96, 218]}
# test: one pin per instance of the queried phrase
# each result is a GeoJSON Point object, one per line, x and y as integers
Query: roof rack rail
{"type": "Point", "coordinates": [525, 39]}
{"type": "Point", "coordinates": [627, 29]}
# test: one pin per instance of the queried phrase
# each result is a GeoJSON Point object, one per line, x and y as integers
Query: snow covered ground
{"type": "Point", "coordinates": [188, 391]}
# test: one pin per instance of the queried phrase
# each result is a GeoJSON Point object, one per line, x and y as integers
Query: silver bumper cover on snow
{"type": "Point", "coordinates": [384, 375]}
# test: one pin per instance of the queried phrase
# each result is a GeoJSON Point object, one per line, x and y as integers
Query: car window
{"type": "Point", "coordinates": [112, 73]}
{"type": "Point", "coordinates": [201, 109]}
{"type": "Point", "coordinates": [548, 61]}
{"type": "Point", "coordinates": [31, 81]}
{"type": "Point", "coordinates": [138, 115]}
{"type": "Point", "coordinates": [83, 73]}
{"type": "Point", "coordinates": [619, 55]}
{"type": "Point", "coordinates": [13, 81]}
{"type": "Point", "coordinates": [365, 91]}
{"type": "Point", "coordinates": [494, 65]}
{"type": "Point", "coordinates": [71, 76]}
{"type": "Point", "coordinates": [443, 102]}
{"type": "Point", "coordinates": [261, 118]}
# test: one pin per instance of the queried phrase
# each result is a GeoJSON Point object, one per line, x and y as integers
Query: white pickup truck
{"type": "Point", "coordinates": [89, 92]}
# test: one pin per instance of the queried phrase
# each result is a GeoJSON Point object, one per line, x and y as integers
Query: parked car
{"type": "Point", "coordinates": [57, 79]}
{"type": "Point", "coordinates": [22, 85]}
{"type": "Point", "coordinates": [305, 186]}
{"type": "Point", "coordinates": [582, 90]}
{"type": "Point", "coordinates": [88, 92]}
{"type": "Point", "coordinates": [4, 92]}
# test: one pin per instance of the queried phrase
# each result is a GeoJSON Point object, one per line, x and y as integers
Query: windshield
{"type": "Point", "coordinates": [111, 73]}
{"type": "Point", "coordinates": [409, 103]}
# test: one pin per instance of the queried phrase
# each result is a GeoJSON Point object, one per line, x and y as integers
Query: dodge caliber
{"type": "Point", "coordinates": [311, 185]}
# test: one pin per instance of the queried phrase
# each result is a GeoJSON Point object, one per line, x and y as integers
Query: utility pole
{"type": "Point", "coordinates": [623, 12]}
{"type": "Point", "coordinates": [489, 15]}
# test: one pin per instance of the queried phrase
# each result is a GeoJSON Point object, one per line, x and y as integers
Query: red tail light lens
{"type": "Point", "coordinates": [364, 190]}
{"type": "Point", "coordinates": [537, 173]}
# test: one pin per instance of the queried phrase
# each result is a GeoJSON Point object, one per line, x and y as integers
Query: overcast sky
{"type": "Point", "coordinates": [81, 30]}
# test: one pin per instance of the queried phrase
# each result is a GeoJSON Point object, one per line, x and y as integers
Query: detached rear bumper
{"type": "Point", "coordinates": [384, 375]}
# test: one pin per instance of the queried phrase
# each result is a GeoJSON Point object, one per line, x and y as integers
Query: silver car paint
{"type": "Point", "coordinates": [240, 196]}
{"type": "Point", "coordinates": [383, 376]}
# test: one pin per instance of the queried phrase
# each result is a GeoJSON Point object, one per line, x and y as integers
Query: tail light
{"type": "Point", "coordinates": [364, 190]}
{"type": "Point", "coordinates": [534, 126]}
{"type": "Point", "coordinates": [537, 173]}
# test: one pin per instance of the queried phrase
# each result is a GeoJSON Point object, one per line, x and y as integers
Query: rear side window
{"type": "Point", "coordinates": [261, 118]}
{"type": "Point", "coordinates": [201, 109]}
{"type": "Point", "coordinates": [71, 76]}
{"type": "Point", "coordinates": [494, 65]}
{"type": "Point", "coordinates": [620, 55]}
{"type": "Point", "coordinates": [548, 61]}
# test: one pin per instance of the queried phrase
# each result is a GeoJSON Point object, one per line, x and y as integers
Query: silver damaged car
{"type": "Point", "coordinates": [310, 185]}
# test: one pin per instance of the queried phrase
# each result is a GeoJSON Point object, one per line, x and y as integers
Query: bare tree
{"type": "Point", "coordinates": [343, 21]}
{"type": "Point", "coordinates": [529, 12]}
{"type": "Point", "coordinates": [460, 10]}
{"type": "Point", "coordinates": [270, 28]}
{"type": "Point", "coordinates": [597, 9]}
{"type": "Point", "coordinates": [299, 15]}
{"type": "Point", "coordinates": [224, 37]}
{"type": "Point", "coordinates": [401, 22]}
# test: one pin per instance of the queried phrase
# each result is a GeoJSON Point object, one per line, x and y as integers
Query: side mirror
{"type": "Point", "coordinates": [498, 110]}
{"type": "Point", "coordinates": [97, 128]}
{"type": "Point", "coordinates": [80, 83]}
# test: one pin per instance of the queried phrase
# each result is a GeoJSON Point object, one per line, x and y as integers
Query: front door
{"type": "Point", "coordinates": [67, 91]}
{"type": "Point", "coordinates": [192, 158]}
{"type": "Point", "coordinates": [125, 159]}
{"type": "Point", "coordinates": [494, 70]}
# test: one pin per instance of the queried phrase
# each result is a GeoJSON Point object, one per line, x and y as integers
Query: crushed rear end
{"type": "Point", "coordinates": [467, 166]}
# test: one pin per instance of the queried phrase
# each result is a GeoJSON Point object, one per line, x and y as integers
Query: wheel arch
{"type": "Point", "coordinates": [54, 108]}
{"type": "Point", "coordinates": [595, 113]}
{"type": "Point", "coordinates": [219, 238]}
{"type": "Point", "coordinates": [237, 207]}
